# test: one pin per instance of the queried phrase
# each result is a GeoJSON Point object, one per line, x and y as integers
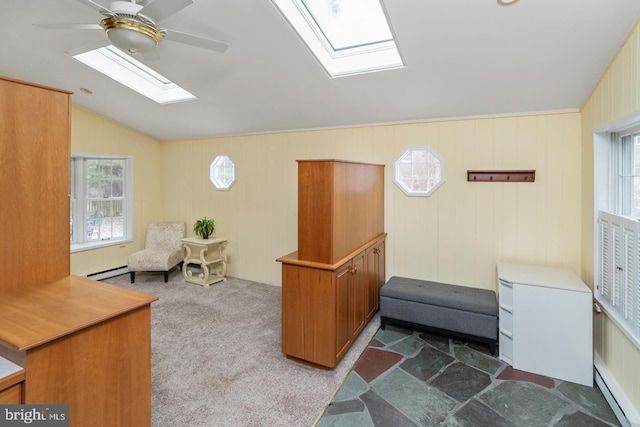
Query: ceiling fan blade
{"type": "Point", "coordinates": [158, 10]}
{"type": "Point", "coordinates": [197, 41]}
{"type": "Point", "coordinates": [96, 6]}
{"type": "Point", "coordinates": [70, 26]}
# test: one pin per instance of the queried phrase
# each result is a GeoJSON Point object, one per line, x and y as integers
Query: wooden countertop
{"type": "Point", "coordinates": [34, 315]}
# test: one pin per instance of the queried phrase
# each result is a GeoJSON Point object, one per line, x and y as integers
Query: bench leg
{"type": "Point", "coordinates": [383, 323]}
{"type": "Point", "coordinates": [492, 347]}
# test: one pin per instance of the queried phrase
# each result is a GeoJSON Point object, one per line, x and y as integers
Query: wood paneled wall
{"type": "Point", "coordinates": [92, 133]}
{"type": "Point", "coordinates": [456, 235]}
{"type": "Point", "coordinates": [615, 99]}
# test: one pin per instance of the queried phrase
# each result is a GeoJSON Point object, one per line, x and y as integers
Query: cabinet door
{"type": "Point", "coordinates": [343, 335]}
{"type": "Point", "coordinates": [11, 395]}
{"type": "Point", "coordinates": [371, 289]}
{"type": "Point", "coordinates": [381, 264]}
{"type": "Point", "coordinates": [34, 172]}
{"type": "Point", "coordinates": [358, 284]}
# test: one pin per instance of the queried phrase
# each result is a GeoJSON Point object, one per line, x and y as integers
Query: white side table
{"type": "Point", "coordinates": [209, 254]}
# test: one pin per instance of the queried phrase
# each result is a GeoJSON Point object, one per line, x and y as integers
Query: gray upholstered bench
{"type": "Point", "coordinates": [460, 311]}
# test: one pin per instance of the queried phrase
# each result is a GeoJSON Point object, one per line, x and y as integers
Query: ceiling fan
{"type": "Point", "coordinates": [133, 27]}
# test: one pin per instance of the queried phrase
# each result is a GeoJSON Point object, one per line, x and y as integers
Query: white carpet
{"type": "Point", "coordinates": [217, 361]}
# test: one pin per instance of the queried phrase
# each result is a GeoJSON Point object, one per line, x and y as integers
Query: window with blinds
{"type": "Point", "coordinates": [618, 279]}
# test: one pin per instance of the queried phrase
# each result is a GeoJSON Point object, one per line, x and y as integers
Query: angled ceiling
{"type": "Point", "coordinates": [463, 58]}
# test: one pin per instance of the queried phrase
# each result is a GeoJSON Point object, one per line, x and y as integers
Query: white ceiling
{"type": "Point", "coordinates": [463, 58]}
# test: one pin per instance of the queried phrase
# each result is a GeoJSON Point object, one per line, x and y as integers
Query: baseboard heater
{"type": "Point", "coordinates": [117, 271]}
{"type": "Point", "coordinates": [625, 412]}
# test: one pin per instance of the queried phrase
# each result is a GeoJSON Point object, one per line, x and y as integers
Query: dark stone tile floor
{"type": "Point", "coordinates": [409, 378]}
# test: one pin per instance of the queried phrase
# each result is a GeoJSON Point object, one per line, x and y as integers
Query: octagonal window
{"type": "Point", "coordinates": [418, 171]}
{"type": "Point", "coordinates": [222, 172]}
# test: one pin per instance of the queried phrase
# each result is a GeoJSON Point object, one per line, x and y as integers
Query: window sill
{"type": "Point", "coordinates": [79, 247]}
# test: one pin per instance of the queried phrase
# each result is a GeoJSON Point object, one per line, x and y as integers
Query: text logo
{"type": "Point", "coordinates": [34, 415]}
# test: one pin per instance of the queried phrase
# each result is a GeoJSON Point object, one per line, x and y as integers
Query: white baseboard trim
{"type": "Point", "coordinates": [620, 404]}
{"type": "Point", "coordinates": [108, 273]}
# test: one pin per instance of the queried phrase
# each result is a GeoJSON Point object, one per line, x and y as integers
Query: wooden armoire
{"type": "Point", "coordinates": [330, 285]}
{"type": "Point", "coordinates": [77, 341]}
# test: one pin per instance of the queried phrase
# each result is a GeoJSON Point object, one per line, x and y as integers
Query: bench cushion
{"type": "Point", "coordinates": [442, 295]}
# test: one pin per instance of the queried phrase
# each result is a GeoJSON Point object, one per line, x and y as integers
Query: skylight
{"type": "Point", "coordinates": [123, 68]}
{"type": "Point", "coordinates": [347, 36]}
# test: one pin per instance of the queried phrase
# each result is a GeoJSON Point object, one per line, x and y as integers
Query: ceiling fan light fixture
{"type": "Point", "coordinates": [130, 35]}
{"type": "Point", "coordinates": [506, 2]}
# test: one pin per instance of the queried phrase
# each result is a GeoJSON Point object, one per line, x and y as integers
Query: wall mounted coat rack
{"type": "Point", "coordinates": [501, 176]}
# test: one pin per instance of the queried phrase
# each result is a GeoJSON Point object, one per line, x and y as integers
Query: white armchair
{"type": "Point", "coordinates": [162, 252]}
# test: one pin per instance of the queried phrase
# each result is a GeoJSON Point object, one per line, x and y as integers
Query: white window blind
{"type": "Point", "coordinates": [618, 281]}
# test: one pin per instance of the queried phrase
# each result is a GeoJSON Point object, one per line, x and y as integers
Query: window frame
{"type": "Point", "coordinates": [399, 182]}
{"type": "Point", "coordinates": [367, 58]}
{"type": "Point", "coordinates": [214, 166]}
{"type": "Point", "coordinates": [78, 199]}
{"type": "Point", "coordinates": [616, 235]}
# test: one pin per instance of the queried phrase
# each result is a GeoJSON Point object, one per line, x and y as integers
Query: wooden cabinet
{"type": "Point", "coordinates": [34, 178]}
{"type": "Point", "coordinates": [79, 342]}
{"type": "Point", "coordinates": [11, 382]}
{"type": "Point", "coordinates": [330, 286]}
{"type": "Point", "coordinates": [326, 306]}
{"type": "Point", "coordinates": [82, 343]}
{"type": "Point", "coordinates": [340, 207]}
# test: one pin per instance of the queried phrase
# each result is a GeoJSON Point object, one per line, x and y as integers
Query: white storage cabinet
{"type": "Point", "coordinates": [546, 324]}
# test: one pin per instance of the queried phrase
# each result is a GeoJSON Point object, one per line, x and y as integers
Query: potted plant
{"type": "Point", "coordinates": [204, 227]}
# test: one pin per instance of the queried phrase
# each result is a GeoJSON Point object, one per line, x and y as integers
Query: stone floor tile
{"type": "Point", "coordinates": [580, 419]}
{"type": "Point", "coordinates": [344, 407]}
{"type": "Point", "coordinates": [590, 398]}
{"type": "Point", "coordinates": [376, 343]}
{"type": "Point", "coordinates": [404, 396]}
{"type": "Point", "coordinates": [351, 388]}
{"type": "Point", "coordinates": [475, 414]}
{"type": "Point", "coordinates": [482, 361]}
{"type": "Point", "coordinates": [514, 401]}
{"type": "Point", "coordinates": [422, 403]}
{"type": "Point", "coordinates": [482, 347]}
{"type": "Point", "coordinates": [461, 381]}
{"type": "Point", "coordinates": [513, 374]}
{"type": "Point", "coordinates": [382, 413]}
{"type": "Point", "coordinates": [391, 334]}
{"type": "Point", "coordinates": [408, 346]}
{"type": "Point", "coordinates": [373, 362]}
{"type": "Point", "coordinates": [440, 342]}
{"type": "Point", "coordinates": [427, 363]}
{"type": "Point", "coordinates": [362, 419]}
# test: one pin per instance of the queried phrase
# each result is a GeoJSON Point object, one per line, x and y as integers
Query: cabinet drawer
{"type": "Point", "coordinates": [506, 319]}
{"type": "Point", "coordinates": [11, 395]}
{"type": "Point", "coordinates": [506, 346]}
{"type": "Point", "coordinates": [506, 293]}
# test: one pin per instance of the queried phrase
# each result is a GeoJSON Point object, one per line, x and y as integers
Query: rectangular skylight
{"type": "Point", "coordinates": [125, 69]}
{"type": "Point", "coordinates": [347, 36]}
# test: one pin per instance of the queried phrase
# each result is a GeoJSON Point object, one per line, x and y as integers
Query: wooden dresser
{"type": "Point", "coordinates": [79, 342]}
{"type": "Point", "coordinates": [330, 285]}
